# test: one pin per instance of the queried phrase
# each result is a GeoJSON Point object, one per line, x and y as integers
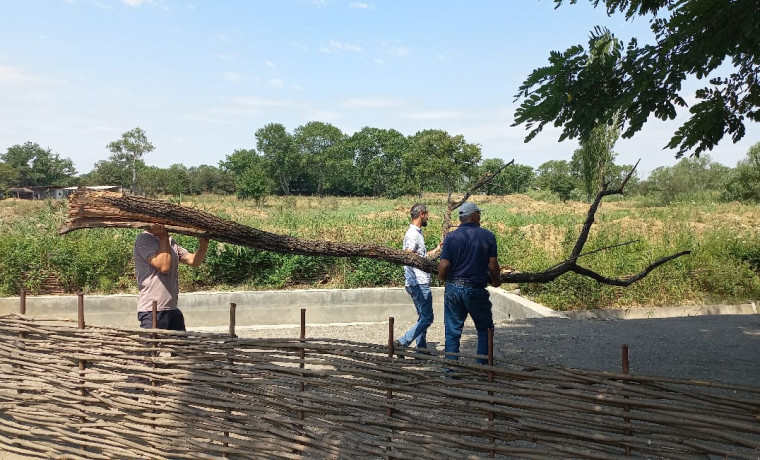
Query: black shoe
{"type": "Point", "coordinates": [396, 346]}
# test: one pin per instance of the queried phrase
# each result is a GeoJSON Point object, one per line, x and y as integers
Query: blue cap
{"type": "Point", "coordinates": [468, 208]}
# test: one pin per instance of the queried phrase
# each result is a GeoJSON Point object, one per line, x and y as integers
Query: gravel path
{"type": "Point", "coordinates": [724, 348]}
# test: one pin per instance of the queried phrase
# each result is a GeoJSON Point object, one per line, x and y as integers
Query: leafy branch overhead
{"type": "Point", "coordinates": [90, 209]}
{"type": "Point", "coordinates": [692, 38]}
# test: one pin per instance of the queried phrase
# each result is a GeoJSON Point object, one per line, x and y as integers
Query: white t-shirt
{"type": "Point", "coordinates": [414, 241]}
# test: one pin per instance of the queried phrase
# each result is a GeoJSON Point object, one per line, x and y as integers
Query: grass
{"type": "Point", "coordinates": [532, 235]}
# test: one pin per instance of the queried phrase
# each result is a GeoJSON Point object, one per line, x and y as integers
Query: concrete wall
{"type": "Point", "coordinates": [257, 308]}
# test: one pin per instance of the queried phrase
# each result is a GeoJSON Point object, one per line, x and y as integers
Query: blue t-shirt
{"type": "Point", "coordinates": [468, 249]}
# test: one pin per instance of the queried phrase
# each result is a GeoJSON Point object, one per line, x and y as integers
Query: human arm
{"type": "Point", "coordinates": [494, 271]}
{"type": "Point", "coordinates": [194, 259]}
{"type": "Point", "coordinates": [162, 261]}
{"type": "Point", "coordinates": [433, 253]}
{"type": "Point", "coordinates": [443, 269]}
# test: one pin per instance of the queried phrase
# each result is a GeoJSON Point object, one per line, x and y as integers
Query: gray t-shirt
{"type": "Point", "coordinates": [154, 285]}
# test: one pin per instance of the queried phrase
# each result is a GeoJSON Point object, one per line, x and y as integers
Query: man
{"type": "Point", "coordinates": [157, 257]}
{"type": "Point", "coordinates": [416, 281]}
{"type": "Point", "coordinates": [468, 263]}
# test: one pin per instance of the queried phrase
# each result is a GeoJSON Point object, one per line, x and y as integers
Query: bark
{"type": "Point", "coordinates": [91, 209]}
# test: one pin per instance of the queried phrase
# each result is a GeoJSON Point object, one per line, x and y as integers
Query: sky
{"type": "Point", "coordinates": [201, 76]}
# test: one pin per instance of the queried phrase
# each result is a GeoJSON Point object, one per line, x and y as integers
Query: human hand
{"type": "Point", "coordinates": [158, 230]}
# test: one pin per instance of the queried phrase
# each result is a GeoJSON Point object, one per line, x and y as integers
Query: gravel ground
{"type": "Point", "coordinates": [723, 348]}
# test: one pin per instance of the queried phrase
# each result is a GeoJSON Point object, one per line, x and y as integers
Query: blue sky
{"type": "Point", "coordinates": [200, 77]}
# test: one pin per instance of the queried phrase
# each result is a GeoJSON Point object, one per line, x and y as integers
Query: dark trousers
{"type": "Point", "coordinates": [172, 320]}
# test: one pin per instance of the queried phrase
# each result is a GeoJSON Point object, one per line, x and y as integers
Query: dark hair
{"type": "Point", "coordinates": [417, 209]}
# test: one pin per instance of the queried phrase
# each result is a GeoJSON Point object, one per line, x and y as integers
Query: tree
{"type": "Point", "coordinates": [326, 158]}
{"type": "Point", "coordinates": [209, 179]}
{"type": "Point", "coordinates": [745, 183]}
{"type": "Point", "coordinates": [436, 158]}
{"type": "Point", "coordinates": [114, 171]}
{"type": "Point", "coordinates": [555, 176]}
{"type": "Point", "coordinates": [284, 162]}
{"type": "Point", "coordinates": [377, 159]}
{"type": "Point", "coordinates": [34, 165]}
{"type": "Point", "coordinates": [693, 38]}
{"type": "Point", "coordinates": [688, 178]}
{"type": "Point", "coordinates": [8, 177]}
{"type": "Point", "coordinates": [248, 170]}
{"type": "Point", "coordinates": [131, 148]}
{"type": "Point", "coordinates": [514, 179]}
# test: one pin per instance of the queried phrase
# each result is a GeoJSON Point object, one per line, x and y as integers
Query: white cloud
{"type": "Point", "coordinates": [335, 45]}
{"type": "Point", "coordinates": [133, 2]}
{"type": "Point", "coordinates": [371, 103]}
{"type": "Point", "coordinates": [257, 102]}
{"type": "Point", "coordinates": [361, 6]}
{"type": "Point", "coordinates": [276, 82]}
{"type": "Point", "coordinates": [433, 115]}
{"type": "Point", "coordinates": [233, 76]}
{"type": "Point", "coordinates": [9, 74]}
{"type": "Point", "coordinates": [395, 49]}
{"type": "Point", "coordinates": [270, 64]}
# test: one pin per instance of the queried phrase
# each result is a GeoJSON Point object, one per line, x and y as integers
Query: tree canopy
{"type": "Point", "coordinates": [692, 38]}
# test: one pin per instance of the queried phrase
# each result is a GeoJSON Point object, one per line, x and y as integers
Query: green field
{"type": "Point", "coordinates": [533, 235]}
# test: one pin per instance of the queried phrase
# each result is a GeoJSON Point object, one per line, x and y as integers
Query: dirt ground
{"type": "Point", "coordinates": [722, 348]}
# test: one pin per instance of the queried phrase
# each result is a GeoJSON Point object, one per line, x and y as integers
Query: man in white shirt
{"type": "Point", "coordinates": [416, 281]}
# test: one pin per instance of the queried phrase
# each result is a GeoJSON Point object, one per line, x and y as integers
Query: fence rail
{"type": "Point", "coordinates": [94, 392]}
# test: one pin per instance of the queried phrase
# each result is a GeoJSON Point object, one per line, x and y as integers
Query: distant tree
{"type": "Point", "coordinates": [253, 184]}
{"type": "Point", "coordinates": [131, 148]}
{"type": "Point", "coordinates": [513, 179]}
{"type": "Point", "coordinates": [248, 170]}
{"type": "Point", "coordinates": [556, 176]}
{"type": "Point", "coordinates": [284, 161]}
{"type": "Point", "coordinates": [326, 158]}
{"type": "Point", "coordinates": [9, 177]}
{"type": "Point", "coordinates": [437, 159]}
{"type": "Point", "coordinates": [34, 165]}
{"type": "Point", "coordinates": [688, 178]}
{"type": "Point", "coordinates": [114, 171]}
{"type": "Point", "coordinates": [209, 179]}
{"type": "Point", "coordinates": [744, 184]}
{"type": "Point", "coordinates": [377, 159]}
{"type": "Point", "coordinates": [693, 38]}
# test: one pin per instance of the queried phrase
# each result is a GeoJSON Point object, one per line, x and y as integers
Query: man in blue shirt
{"type": "Point", "coordinates": [468, 263]}
{"type": "Point", "coordinates": [416, 281]}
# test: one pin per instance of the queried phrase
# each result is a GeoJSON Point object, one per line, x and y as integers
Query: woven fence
{"type": "Point", "coordinates": [98, 392]}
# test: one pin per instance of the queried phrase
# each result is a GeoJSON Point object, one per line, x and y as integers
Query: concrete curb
{"type": "Point", "coordinates": [270, 308]}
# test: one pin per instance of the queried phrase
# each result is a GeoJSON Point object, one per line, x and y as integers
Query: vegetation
{"type": "Point", "coordinates": [697, 38]}
{"type": "Point", "coordinates": [533, 234]}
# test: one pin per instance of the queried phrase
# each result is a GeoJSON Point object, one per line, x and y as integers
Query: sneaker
{"type": "Point", "coordinates": [396, 346]}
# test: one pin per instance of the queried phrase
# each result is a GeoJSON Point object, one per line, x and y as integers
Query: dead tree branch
{"type": "Point", "coordinates": [89, 209]}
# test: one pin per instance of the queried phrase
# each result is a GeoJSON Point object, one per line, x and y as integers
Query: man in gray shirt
{"type": "Point", "coordinates": [157, 258]}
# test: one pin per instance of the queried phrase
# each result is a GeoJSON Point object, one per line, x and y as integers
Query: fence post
{"type": "Point", "coordinates": [22, 302]}
{"type": "Point", "coordinates": [490, 380]}
{"type": "Point", "coordinates": [231, 362]}
{"type": "Point", "coordinates": [82, 362]}
{"type": "Point", "coordinates": [626, 408]}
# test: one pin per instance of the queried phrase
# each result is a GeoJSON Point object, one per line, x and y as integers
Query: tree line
{"type": "Point", "coordinates": [318, 159]}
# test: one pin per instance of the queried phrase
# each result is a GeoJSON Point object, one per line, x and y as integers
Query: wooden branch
{"type": "Point", "coordinates": [451, 206]}
{"type": "Point", "coordinates": [571, 264]}
{"type": "Point", "coordinates": [91, 209]}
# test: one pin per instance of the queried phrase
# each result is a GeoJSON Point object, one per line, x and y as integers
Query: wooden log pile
{"type": "Point", "coordinates": [165, 394]}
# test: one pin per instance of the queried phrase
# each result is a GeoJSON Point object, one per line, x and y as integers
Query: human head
{"type": "Point", "coordinates": [468, 212]}
{"type": "Point", "coordinates": [419, 211]}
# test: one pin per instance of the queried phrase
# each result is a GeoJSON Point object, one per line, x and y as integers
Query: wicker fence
{"type": "Point", "coordinates": [95, 392]}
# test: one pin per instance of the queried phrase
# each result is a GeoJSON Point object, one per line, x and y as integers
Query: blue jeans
{"type": "Point", "coordinates": [458, 302]}
{"type": "Point", "coordinates": [423, 302]}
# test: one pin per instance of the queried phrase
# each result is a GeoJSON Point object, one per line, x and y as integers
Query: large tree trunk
{"type": "Point", "coordinates": [90, 209]}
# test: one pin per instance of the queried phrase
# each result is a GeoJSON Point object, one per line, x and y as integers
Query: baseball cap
{"type": "Point", "coordinates": [468, 208]}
